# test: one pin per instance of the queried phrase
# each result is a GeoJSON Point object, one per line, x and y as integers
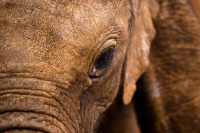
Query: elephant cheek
{"type": "Point", "coordinates": [97, 99]}
{"type": "Point", "coordinates": [35, 105]}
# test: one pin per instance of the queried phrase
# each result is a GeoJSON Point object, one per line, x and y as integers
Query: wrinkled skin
{"type": "Point", "coordinates": [50, 82]}
{"type": "Point", "coordinates": [167, 96]}
{"type": "Point", "coordinates": [48, 51]}
{"type": "Point", "coordinates": [195, 4]}
{"type": "Point", "coordinates": [170, 87]}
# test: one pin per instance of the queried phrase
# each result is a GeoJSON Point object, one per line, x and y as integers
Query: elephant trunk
{"type": "Point", "coordinates": [33, 105]}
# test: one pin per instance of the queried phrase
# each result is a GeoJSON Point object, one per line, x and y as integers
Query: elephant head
{"type": "Point", "coordinates": [63, 62]}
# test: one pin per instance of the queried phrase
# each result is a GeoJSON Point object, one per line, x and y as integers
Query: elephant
{"type": "Point", "coordinates": [167, 95]}
{"type": "Point", "coordinates": [73, 66]}
{"type": "Point", "coordinates": [195, 7]}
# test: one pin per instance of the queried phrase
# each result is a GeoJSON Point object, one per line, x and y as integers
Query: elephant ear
{"type": "Point", "coordinates": [138, 50]}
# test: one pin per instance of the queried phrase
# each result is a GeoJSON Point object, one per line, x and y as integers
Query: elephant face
{"type": "Point", "coordinates": [60, 62]}
{"type": "Point", "coordinates": [63, 62]}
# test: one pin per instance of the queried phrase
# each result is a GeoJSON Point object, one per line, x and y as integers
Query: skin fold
{"type": "Point", "coordinates": [167, 100]}
{"type": "Point", "coordinates": [84, 66]}
{"type": "Point", "coordinates": [167, 95]}
{"type": "Point", "coordinates": [49, 48]}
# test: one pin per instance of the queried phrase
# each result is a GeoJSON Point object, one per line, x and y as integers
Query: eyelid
{"type": "Point", "coordinates": [107, 44]}
{"type": "Point", "coordinates": [110, 43]}
{"type": "Point", "coordinates": [113, 33]}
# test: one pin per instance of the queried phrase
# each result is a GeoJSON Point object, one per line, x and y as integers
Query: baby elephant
{"type": "Point", "coordinates": [63, 63]}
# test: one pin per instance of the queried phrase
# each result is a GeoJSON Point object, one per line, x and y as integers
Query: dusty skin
{"type": "Point", "coordinates": [103, 66]}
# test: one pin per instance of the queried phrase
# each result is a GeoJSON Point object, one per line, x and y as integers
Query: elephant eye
{"type": "Point", "coordinates": [103, 61]}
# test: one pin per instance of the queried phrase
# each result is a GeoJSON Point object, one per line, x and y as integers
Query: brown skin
{"type": "Point", "coordinates": [167, 96]}
{"type": "Point", "coordinates": [195, 4]}
{"type": "Point", "coordinates": [167, 99]}
{"type": "Point", "coordinates": [49, 49]}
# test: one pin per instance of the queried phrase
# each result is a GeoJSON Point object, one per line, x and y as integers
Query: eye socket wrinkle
{"type": "Point", "coordinates": [109, 45]}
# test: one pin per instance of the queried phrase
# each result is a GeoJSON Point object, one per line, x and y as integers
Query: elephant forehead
{"type": "Point", "coordinates": [58, 28]}
{"type": "Point", "coordinates": [73, 21]}
{"type": "Point", "coordinates": [88, 23]}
